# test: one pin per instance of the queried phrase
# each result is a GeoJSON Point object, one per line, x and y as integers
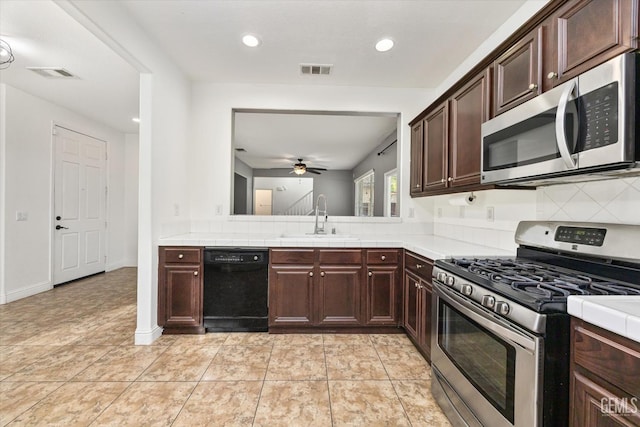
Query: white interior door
{"type": "Point", "coordinates": [263, 202]}
{"type": "Point", "coordinates": [79, 206]}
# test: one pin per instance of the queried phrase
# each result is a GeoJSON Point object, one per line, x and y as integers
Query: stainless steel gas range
{"type": "Point", "coordinates": [500, 337]}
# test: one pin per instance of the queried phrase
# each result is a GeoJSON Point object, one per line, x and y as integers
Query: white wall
{"type": "Point", "coordinates": [131, 200]}
{"type": "Point", "coordinates": [27, 183]}
{"type": "Point", "coordinates": [164, 181]}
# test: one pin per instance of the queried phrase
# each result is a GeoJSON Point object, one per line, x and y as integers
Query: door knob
{"type": "Point", "coordinates": [59, 227]}
{"type": "Point", "coordinates": [58, 218]}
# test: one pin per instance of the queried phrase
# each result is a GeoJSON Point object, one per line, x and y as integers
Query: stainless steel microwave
{"type": "Point", "coordinates": [584, 129]}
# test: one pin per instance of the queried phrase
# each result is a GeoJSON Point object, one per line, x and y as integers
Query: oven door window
{"type": "Point", "coordinates": [484, 359]}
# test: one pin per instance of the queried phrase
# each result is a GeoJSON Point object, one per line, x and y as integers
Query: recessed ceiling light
{"type": "Point", "coordinates": [250, 40]}
{"type": "Point", "coordinates": [384, 45]}
{"type": "Point", "coordinates": [136, 119]}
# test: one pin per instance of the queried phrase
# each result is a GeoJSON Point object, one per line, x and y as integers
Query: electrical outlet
{"type": "Point", "coordinates": [462, 211]}
{"type": "Point", "coordinates": [439, 212]}
{"type": "Point", "coordinates": [22, 216]}
{"type": "Point", "coordinates": [490, 213]}
{"type": "Point", "coordinates": [176, 209]}
{"type": "Point", "coordinates": [218, 209]}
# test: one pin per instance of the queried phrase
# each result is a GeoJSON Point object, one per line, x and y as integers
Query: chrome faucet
{"type": "Point", "coordinates": [317, 229]}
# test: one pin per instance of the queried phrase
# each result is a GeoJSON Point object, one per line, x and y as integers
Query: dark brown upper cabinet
{"type": "Point", "coordinates": [590, 32]}
{"type": "Point", "coordinates": [436, 142]}
{"type": "Point", "coordinates": [517, 73]}
{"type": "Point", "coordinates": [417, 149]}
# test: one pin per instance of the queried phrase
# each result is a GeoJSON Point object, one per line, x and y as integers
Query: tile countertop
{"type": "Point", "coordinates": [618, 314]}
{"type": "Point", "coordinates": [429, 246]}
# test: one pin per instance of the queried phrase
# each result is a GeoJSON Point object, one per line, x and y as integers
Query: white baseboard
{"type": "Point", "coordinates": [147, 337]}
{"type": "Point", "coordinates": [26, 292]}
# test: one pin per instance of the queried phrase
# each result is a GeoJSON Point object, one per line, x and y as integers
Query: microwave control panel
{"type": "Point", "coordinates": [600, 110]}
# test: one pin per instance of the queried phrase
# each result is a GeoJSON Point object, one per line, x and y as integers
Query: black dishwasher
{"type": "Point", "coordinates": [235, 289]}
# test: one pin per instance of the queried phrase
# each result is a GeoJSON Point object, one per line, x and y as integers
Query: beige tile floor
{"type": "Point", "coordinates": [67, 358]}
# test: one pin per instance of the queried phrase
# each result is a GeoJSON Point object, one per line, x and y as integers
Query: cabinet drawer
{"type": "Point", "coordinates": [609, 356]}
{"type": "Point", "coordinates": [422, 267]}
{"type": "Point", "coordinates": [181, 255]}
{"type": "Point", "coordinates": [340, 256]}
{"type": "Point", "coordinates": [382, 256]}
{"type": "Point", "coordinates": [292, 256]}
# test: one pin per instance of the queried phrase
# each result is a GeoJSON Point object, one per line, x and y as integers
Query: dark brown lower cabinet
{"type": "Point", "coordinates": [333, 288]}
{"type": "Point", "coordinates": [180, 290]}
{"type": "Point", "coordinates": [605, 378]}
{"type": "Point", "coordinates": [418, 294]}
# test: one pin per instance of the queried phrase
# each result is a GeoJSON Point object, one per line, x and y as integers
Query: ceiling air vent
{"type": "Point", "coordinates": [316, 69]}
{"type": "Point", "coordinates": [52, 72]}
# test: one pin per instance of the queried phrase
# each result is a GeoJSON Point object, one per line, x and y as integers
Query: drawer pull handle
{"type": "Point", "coordinates": [180, 256]}
{"type": "Point", "coordinates": [383, 257]}
{"type": "Point", "coordinates": [195, 273]}
{"type": "Point", "coordinates": [311, 274]}
{"type": "Point", "coordinates": [370, 274]}
{"type": "Point", "coordinates": [419, 266]}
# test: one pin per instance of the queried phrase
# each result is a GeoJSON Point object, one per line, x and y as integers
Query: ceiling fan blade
{"type": "Point", "coordinates": [310, 170]}
{"type": "Point", "coordinates": [317, 169]}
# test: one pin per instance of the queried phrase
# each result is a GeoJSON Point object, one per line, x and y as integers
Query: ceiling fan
{"type": "Point", "coordinates": [301, 168]}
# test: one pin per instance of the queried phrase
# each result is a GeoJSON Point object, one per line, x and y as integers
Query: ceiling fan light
{"type": "Point", "coordinates": [299, 169]}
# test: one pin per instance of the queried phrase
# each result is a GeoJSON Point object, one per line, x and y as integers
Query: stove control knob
{"type": "Point", "coordinates": [466, 290]}
{"type": "Point", "coordinates": [488, 301]}
{"type": "Point", "coordinates": [502, 308]}
{"type": "Point", "coordinates": [450, 280]}
{"type": "Point", "coordinates": [441, 276]}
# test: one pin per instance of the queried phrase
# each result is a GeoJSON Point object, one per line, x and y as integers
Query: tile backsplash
{"type": "Point", "coordinates": [615, 200]}
{"type": "Point", "coordinates": [492, 218]}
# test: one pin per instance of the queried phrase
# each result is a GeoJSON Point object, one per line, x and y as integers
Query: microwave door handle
{"type": "Point", "coordinates": [561, 136]}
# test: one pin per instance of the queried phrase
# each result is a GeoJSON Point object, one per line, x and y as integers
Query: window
{"type": "Point", "coordinates": [364, 194]}
{"type": "Point", "coordinates": [391, 205]}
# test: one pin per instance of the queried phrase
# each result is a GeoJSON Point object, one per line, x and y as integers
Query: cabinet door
{"type": "Point", "coordinates": [517, 73]}
{"type": "Point", "coordinates": [338, 298]}
{"type": "Point", "coordinates": [416, 158]}
{"type": "Point", "coordinates": [183, 296]}
{"type": "Point", "coordinates": [411, 305]}
{"type": "Point", "coordinates": [436, 141]}
{"type": "Point", "coordinates": [381, 296]}
{"type": "Point", "coordinates": [595, 406]}
{"type": "Point", "coordinates": [469, 109]}
{"type": "Point", "coordinates": [590, 32]}
{"type": "Point", "coordinates": [290, 295]}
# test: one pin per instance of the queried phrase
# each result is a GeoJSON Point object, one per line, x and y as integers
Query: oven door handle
{"type": "Point", "coordinates": [490, 322]}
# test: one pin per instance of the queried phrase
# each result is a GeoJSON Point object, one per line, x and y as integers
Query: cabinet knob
{"type": "Point", "coordinates": [370, 274]}
{"type": "Point", "coordinates": [311, 274]}
{"type": "Point", "coordinates": [180, 256]}
{"type": "Point", "coordinates": [416, 285]}
{"type": "Point", "coordinates": [195, 273]}
{"type": "Point", "coordinates": [552, 75]}
{"type": "Point", "coordinates": [383, 257]}
{"type": "Point", "coordinates": [533, 86]}
{"type": "Point", "coordinates": [419, 266]}
{"type": "Point", "coordinates": [322, 274]}
{"type": "Point", "coordinates": [417, 185]}
{"type": "Point", "coordinates": [443, 180]}
{"type": "Point", "coordinates": [449, 179]}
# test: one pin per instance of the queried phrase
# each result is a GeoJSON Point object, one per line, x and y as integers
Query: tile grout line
{"type": "Point", "coordinates": [255, 413]}
{"type": "Point", "coordinates": [326, 371]}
